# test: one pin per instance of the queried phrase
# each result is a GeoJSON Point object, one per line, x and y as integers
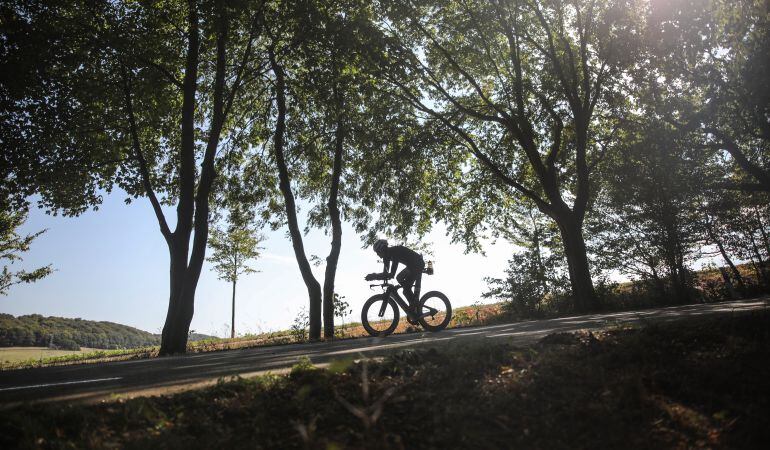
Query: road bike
{"type": "Point", "coordinates": [380, 314]}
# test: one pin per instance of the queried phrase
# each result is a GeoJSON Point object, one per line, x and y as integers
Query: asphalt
{"type": "Point", "coordinates": [126, 379]}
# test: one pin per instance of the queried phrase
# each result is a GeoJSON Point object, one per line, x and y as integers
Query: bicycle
{"type": "Point", "coordinates": [435, 311]}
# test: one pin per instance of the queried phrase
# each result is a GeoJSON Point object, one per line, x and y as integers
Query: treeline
{"type": "Point", "coordinates": [70, 334]}
{"type": "Point", "coordinates": [603, 137]}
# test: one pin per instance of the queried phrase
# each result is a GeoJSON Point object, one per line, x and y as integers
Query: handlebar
{"type": "Point", "coordinates": [383, 285]}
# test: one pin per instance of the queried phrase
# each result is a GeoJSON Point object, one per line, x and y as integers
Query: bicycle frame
{"type": "Point", "coordinates": [391, 291]}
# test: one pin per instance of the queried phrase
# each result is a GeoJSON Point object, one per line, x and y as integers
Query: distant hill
{"type": "Point", "coordinates": [39, 331]}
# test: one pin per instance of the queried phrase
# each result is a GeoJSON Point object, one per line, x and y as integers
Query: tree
{"type": "Point", "coordinates": [530, 89]}
{"type": "Point", "coordinates": [284, 176]}
{"type": "Point", "coordinates": [331, 122]}
{"type": "Point", "coordinates": [12, 245]}
{"type": "Point", "coordinates": [737, 223]}
{"type": "Point", "coordinates": [712, 59]}
{"type": "Point", "coordinates": [233, 247]}
{"type": "Point", "coordinates": [133, 95]}
{"type": "Point", "coordinates": [651, 212]}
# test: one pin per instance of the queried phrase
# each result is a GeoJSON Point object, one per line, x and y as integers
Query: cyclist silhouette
{"type": "Point", "coordinates": [412, 273]}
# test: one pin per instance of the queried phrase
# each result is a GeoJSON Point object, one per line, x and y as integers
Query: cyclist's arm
{"type": "Point", "coordinates": [393, 268]}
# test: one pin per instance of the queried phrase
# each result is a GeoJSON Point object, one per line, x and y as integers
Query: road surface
{"type": "Point", "coordinates": [94, 382]}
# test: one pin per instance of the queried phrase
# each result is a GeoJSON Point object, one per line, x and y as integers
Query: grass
{"type": "Point", "coordinates": [64, 357]}
{"type": "Point", "coordinates": [687, 384]}
{"type": "Point", "coordinates": [16, 354]}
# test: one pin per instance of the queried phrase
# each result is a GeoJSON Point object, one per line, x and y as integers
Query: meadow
{"type": "Point", "coordinates": [17, 354]}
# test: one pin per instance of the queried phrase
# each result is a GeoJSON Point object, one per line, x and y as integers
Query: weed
{"type": "Point", "coordinates": [300, 326]}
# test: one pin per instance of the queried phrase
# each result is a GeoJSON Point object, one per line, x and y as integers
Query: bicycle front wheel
{"type": "Point", "coordinates": [435, 311]}
{"type": "Point", "coordinates": [380, 315]}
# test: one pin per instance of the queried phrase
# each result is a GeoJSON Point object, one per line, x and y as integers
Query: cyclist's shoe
{"type": "Point", "coordinates": [412, 315]}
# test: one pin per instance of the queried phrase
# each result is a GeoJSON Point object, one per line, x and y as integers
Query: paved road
{"type": "Point", "coordinates": [93, 382]}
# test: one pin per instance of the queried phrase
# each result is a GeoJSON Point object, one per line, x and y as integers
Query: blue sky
{"type": "Point", "coordinates": [112, 264]}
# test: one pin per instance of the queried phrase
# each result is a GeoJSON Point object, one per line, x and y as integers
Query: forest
{"type": "Point", "coordinates": [69, 334]}
{"type": "Point", "coordinates": [35, 330]}
{"type": "Point", "coordinates": [621, 145]}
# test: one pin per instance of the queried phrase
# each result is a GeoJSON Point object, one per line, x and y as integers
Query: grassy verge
{"type": "Point", "coordinates": [696, 383]}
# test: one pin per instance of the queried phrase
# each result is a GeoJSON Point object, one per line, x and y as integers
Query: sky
{"type": "Point", "coordinates": [112, 265]}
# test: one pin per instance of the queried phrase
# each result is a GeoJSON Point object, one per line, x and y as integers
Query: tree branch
{"type": "Point", "coordinates": [143, 170]}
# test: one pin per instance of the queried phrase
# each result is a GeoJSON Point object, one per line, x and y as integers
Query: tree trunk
{"type": "Point", "coordinates": [577, 262]}
{"type": "Point", "coordinates": [681, 283]}
{"type": "Point", "coordinates": [728, 283]}
{"type": "Point", "coordinates": [174, 336]}
{"type": "Point", "coordinates": [734, 270]}
{"type": "Point", "coordinates": [232, 320]}
{"type": "Point", "coordinates": [660, 286]}
{"type": "Point", "coordinates": [676, 269]}
{"type": "Point", "coordinates": [334, 254]}
{"type": "Point", "coordinates": [313, 287]}
{"type": "Point", "coordinates": [762, 231]}
{"type": "Point", "coordinates": [760, 266]}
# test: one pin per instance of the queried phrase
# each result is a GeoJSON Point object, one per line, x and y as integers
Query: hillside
{"type": "Point", "coordinates": [39, 331]}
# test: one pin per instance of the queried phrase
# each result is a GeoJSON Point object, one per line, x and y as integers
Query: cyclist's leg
{"type": "Point", "coordinates": [405, 278]}
{"type": "Point", "coordinates": [418, 282]}
{"type": "Point", "coordinates": [417, 286]}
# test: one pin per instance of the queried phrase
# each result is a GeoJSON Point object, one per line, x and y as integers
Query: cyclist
{"type": "Point", "coordinates": [412, 273]}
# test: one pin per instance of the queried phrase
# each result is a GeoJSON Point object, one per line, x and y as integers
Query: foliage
{"type": "Point", "coordinates": [36, 330]}
{"type": "Point", "coordinates": [709, 59]}
{"type": "Point", "coordinates": [535, 275]}
{"type": "Point", "coordinates": [233, 247]}
{"type": "Point", "coordinates": [342, 309]}
{"type": "Point", "coordinates": [300, 326]}
{"type": "Point", "coordinates": [649, 217]}
{"type": "Point", "coordinates": [11, 247]}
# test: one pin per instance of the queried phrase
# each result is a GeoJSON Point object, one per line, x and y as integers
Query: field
{"type": "Point", "coordinates": [16, 354]}
{"type": "Point", "coordinates": [700, 383]}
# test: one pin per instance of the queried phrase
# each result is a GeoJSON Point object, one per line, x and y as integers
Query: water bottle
{"type": "Point", "coordinates": [429, 269]}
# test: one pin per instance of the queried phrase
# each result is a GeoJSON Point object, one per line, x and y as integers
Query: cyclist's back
{"type": "Point", "coordinates": [399, 254]}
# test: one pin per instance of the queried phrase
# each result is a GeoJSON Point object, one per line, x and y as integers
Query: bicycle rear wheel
{"type": "Point", "coordinates": [380, 315]}
{"type": "Point", "coordinates": [435, 311]}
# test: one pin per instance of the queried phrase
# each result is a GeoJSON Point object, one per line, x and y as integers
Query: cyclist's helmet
{"type": "Point", "coordinates": [380, 245]}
